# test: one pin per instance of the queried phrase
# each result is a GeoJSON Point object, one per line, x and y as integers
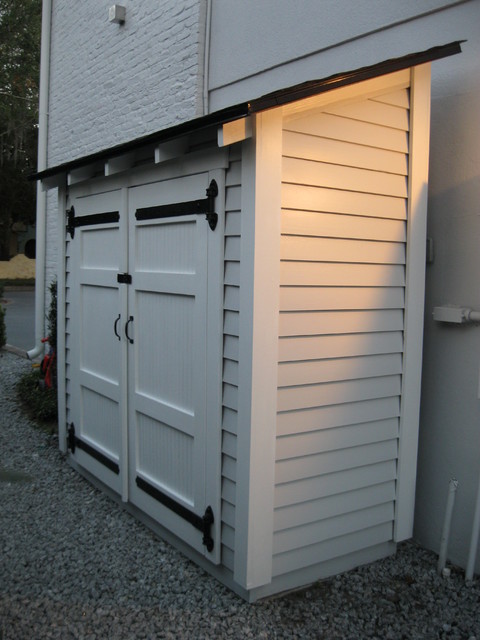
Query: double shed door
{"type": "Point", "coordinates": [143, 384]}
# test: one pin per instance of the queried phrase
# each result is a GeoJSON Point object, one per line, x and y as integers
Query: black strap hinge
{"type": "Point", "coordinates": [73, 222]}
{"type": "Point", "coordinates": [192, 207]}
{"type": "Point", "coordinates": [73, 442]}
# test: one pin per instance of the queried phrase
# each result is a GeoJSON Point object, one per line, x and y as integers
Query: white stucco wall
{"type": "Point", "coordinates": [112, 83]}
{"type": "Point", "coordinates": [450, 417]}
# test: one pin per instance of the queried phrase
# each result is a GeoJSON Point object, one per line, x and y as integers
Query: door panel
{"type": "Point", "coordinates": [97, 375]}
{"type": "Point", "coordinates": [167, 362]}
{"type": "Point", "coordinates": [139, 353]}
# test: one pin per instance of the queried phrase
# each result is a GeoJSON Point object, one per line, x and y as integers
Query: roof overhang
{"type": "Point", "coordinates": [229, 114]}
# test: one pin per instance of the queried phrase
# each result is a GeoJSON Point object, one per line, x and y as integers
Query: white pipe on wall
{"type": "Point", "coordinates": [442, 558]}
{"type": "Point", "coordinates": [40, 256]}
{"type": "Point", "coordinates": [206, 59]}
{"type": "Point", "coordinates": [472, 554]}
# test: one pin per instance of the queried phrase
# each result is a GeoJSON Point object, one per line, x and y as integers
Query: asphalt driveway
{"type": "Point", "coordinates": [20, 317]}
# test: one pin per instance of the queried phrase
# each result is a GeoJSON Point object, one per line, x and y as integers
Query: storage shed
{"type": "Point", "coordinates": [240, 325]}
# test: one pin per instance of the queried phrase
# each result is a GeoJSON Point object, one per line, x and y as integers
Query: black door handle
{"type": "Point", "coordinates": [126, 329]}
{"type": "Point", "coordinates": [115, 325]}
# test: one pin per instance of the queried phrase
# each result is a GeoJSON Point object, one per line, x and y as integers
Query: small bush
{"type": "Point", "coordinates": [39, 403]}
{"type": "Point", "coordinates": [3, 328]}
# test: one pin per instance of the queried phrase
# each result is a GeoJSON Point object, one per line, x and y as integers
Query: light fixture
{"type": "Point", "coordinates": [116, 14]}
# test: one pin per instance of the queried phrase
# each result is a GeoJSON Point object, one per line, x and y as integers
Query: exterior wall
{"type": "Point", "coordinates": [231, 354]}
{"type": "Point", "coordinates": [342, 298]}
{"type": "Point", "coordinates": [111, 83]}
{"type": "Point", "coordinates": [450, 418]}
{"type": "Point", "coordinates": [284, 43]}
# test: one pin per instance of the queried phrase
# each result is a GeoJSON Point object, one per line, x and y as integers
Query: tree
{"type": "Point", "coordinates": [20, 29]}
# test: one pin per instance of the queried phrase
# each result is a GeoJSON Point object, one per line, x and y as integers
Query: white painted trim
{"type": "Point", "coordinates": [259, 308]}
{"type": "Point", "coordinates": [123, 381]}
{"type": "Point", "coordinates": [235, 131]}
{"type": "Point", "coordinates": [214, 368]}
{"type": "Point", "coordinates": [414, 302]}
{"type": "Point", "coordinates": [350, 93]}
{"type": "Point", "coordinates": [61, 369]}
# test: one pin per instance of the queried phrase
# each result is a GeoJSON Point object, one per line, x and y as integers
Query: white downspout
{"type": "Point", "coordinates": [40, 255]}
{"type": "Point", "coordinates": [206, 59]}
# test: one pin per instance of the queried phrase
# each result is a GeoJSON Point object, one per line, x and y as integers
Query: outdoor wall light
{"type": "Point", "coordinates": [116, 14]}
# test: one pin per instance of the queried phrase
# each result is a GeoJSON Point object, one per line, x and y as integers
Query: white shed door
{"type": "Point", "coordinates": [96, 374]}
{"type": "Point", "coordinates": [138, 396]}
{"type": "Point", "coordinates": [167, 309]}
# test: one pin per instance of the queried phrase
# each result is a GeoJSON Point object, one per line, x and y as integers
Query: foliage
{"type": "Point", "coordinates": [39, 403]}
{"type": "Point", "coordinates": [3, 328]}
{"type": "Point", "coordinates": [52, 316]}
{"type": "Point", "coordinates": [20, 28]}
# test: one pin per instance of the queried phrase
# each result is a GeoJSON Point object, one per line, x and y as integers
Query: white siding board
{"type": "Point", "coordinates": [375, 112]}
{"type": "Point", "coordinates": [339, 298]}
{"type": "Point", "coordinates": [304, 444]}
{"type": "Point", "coordinates": [334, 461]}
{"type": "Point", "coordinates": [333, 548]}
{"type": "Point", "coordinates": [227, 558]}
{"type": "Point", "coordinates": [337, 274]}
{"type": "Point", "coordinates": [318, 487]}
{"type": "Point", "coordinates": [228, 536]}
{"type": "Point", "coordinates": [332, 506]}
{"type": "Point", "coordinates": [337, 127]}
{"type": "Point", "coordinates": [228, 468]}
{"type": "Point", "coordinates": [230, 323]}
{"type": "Point", "coordinates": [400, 98]}
{"type": "Point", "coordinates": [232, 273]}
{"type": "Point", "coordinates": [309, 323]}
{"type": "Point", "coordinates": [232, 248]}
{"type": "Point", "coordinates": [230, 347]}
{"type": "Point", "coordinates": [333, 416]}
{"type": "Point", "coordinates": [335, 250]}
{"type": "Point", "coordinates": [310, 198]}
{"type": "Point", "coordinates": [324, 394]}
{"type": "Point", "coordinates": [230, 371]}
{"type": "Point", "coordinates": [231, 300]}
{"type": "Point", "coordinates": [336, 527]}
{"type": "Point", "coordinates": [233, 201]}
{"type": "Point", "coordinates": [327, 225]}
{"type": "Point", "coordinates": [299, 373]}
{"type": "Point", "coordinates": [317, 347]}
{"type": "Point", "coordinates": [232, 223]}
{"type": "Point", "coordinates": [230, 421]}
{"type": "Point", "coordinates": [228, 513]}
{"type": "Point", "coordinates": [229, 444]}
{"type": "Point", "coordinates": [308, 172]}
{"type": "Point", "coordinates": [230, 396]}
{"type": "Point", "coordinates": [234, 173]}
{"type": "Point", "coordinates": [228, 490]}
{"type": "Point", "coordinates": [299, 145]}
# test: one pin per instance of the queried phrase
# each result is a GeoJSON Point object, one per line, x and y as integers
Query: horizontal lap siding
{"type": "Point", "coordinates": [230, 355]}
{"type": "Point", "coordinates": [342, 297]}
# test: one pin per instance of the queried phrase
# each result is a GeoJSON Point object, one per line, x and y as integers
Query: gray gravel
{"type": "Point", "coordinates": [75, 565]}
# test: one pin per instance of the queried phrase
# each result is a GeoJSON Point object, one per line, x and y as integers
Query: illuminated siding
{"type": "Point", "coordinates": [343, 255]}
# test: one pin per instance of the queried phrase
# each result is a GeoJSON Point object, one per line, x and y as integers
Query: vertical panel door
{"type": "Point", "coordinates": [97, 318]}
{"type": "Point", "coordinates": [168, 333]}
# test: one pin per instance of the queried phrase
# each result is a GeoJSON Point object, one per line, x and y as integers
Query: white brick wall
{"type": "Point", "coordinates": [110, 83]}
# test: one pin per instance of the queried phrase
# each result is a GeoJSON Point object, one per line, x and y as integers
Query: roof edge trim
{"type": "Point", "coordinates": [268, 101]}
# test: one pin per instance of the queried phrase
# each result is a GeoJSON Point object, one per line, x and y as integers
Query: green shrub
{"type": "Point", "coordinates": [39, 403]}
{"type": "Point", "coordinates": [3, 328]}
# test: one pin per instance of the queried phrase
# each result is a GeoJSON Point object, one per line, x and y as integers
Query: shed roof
{"type": "Point", "coordinates": [268, 101]}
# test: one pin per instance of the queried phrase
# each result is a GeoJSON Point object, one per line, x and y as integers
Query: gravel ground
{"type": "Point", "coordinates": [75, 565]}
